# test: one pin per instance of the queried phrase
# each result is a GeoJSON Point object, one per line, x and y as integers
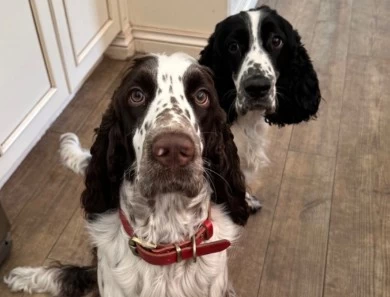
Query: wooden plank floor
{"type": "Point", "coordinates": [325, 226]}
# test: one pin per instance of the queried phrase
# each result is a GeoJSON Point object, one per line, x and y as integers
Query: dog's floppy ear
{"type": "Point", "coordinates": [297, 86]}
{"type": "Point", "coordinates": [112, 156]}
{"type": "Point", "coordinates": [211, 57]}
{"type": "Point", "coordinates": [105, 170]}
{"type": "Point", "coordinates": [207, 54]}
{"type": "Point", "coordinates": [227, 180]}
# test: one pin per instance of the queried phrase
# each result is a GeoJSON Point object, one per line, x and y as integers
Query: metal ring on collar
{"type": "Point", "coordinates": [194, 248]}
{"type": "Point", "coordinates": [178, 252]}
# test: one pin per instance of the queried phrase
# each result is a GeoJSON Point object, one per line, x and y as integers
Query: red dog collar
{"type": "Point", "coordinates": [174, 253]}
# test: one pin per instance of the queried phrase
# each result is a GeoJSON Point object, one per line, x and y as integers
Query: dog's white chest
{"type": "Point", "coordinates": [250, 136]}
{"type": "Point", "coordinates": [122, 274]}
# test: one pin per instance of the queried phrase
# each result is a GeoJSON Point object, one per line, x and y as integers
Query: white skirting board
{"type": "Point", "coordinates": [157, 40]}
{"type": "Point", "coordinates": [123, 46]}
{"type": "Point", "coordinates": [149, 39]}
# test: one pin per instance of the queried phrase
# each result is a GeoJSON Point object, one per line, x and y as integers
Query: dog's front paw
{"type": "Point", "coordinates": [231, 292]}
{"type": "Point", "coordinates": [253, 203]}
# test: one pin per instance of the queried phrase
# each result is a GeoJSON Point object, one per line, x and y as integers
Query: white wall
{"type": "Point", "coordinates": [197, 16]}
{"type": "Point", "coordinates": [174, 25]}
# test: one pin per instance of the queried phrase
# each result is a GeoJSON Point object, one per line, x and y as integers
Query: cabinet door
{"type": "Point", "coordinates": [33, 86]}
{"type": "Point", "coordinates": [85, 28]}
{"type": "Point", "coordinates": [32, 79]}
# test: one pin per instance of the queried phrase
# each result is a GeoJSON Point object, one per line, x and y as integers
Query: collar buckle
{"type": "Point", "coordinates": [134, 240]}
{"type": "Point", "coordinates": [133, 247]}
{"type": "Point", "coordinates": [143, 243]}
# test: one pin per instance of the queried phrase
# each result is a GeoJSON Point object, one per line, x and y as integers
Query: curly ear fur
{"type": "Point", "coordinates": [105, 170]}
{"type": "Point", "coordinates": [298, 87]}
{"type": "Point", "coordinates": [207, 54]}
{"type": "Point", "coordinates": [227, 180]}
{"type": "Point", "coordinates": [211, 57]}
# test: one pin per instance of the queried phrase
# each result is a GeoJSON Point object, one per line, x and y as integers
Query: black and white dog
{"type": "Point", "coordinates": [262, 74]}
{"type": "Point", "coordinates": [162, 150]}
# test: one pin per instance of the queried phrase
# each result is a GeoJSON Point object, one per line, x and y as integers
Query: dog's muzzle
{"type": "Point", "coordinates": [257, 92]}
{"type": "Point", "coordinates": [173, 150]}
{"type": "Point", "coordinates": [257, 87]}
{"type": "Point", "coordinates": [171, 161]}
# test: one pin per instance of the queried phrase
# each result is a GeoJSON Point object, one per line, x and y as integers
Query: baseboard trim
{"type": "Point", "coordinates": [151, 39]}
{"type": "Point", "coordinates": [120, 52]}
{"type": "Point", "coordinates": [122, 47]}
{"type": "Point", "coordinates": [171, 36]}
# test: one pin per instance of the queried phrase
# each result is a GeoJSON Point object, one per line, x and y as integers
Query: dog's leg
{"type": "Point", "coordinates": [108, 285]}
{"type": "Point", "coordinates": [221, 287]}
{"type": "Point", "coordinates": [253, 203]}
{"type": "Point", "coordinates": [56, 280]}
{"type": "Point", "coordinates": [231, 292]}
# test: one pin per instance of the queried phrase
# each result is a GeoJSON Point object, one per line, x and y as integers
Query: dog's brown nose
{"type": "Point", "coordinates": [173, 149]}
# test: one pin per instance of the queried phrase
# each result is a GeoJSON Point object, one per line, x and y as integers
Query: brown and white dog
{"type": "Point", "coordinates": [162, 151]}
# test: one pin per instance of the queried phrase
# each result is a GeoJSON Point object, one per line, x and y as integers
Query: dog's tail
{"type": "Point", "coordinates": [72, 154]}
{"type": "Point", "coordinates": [57, 280]}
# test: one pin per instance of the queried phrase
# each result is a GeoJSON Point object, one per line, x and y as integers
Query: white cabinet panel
{"type": "Point", "coordinates": [85, 19]}
{"type": "Point", "coordinates": [33, 88]}
{"type": "Point", "coordinates": [85, 29]}
{"type": "Point", "coordinates": [24, 80]}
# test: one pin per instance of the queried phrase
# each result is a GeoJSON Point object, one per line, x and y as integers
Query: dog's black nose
{"type": "Point", "coordinates": [173, 149]}
{"type": "Point", "coordinates": [257, 87]}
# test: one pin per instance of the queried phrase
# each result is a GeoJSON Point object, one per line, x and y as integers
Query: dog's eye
{"type": "Point", "coordinates": [202, 98]}
{"type": "Point", "coordinates": [276, 42]}
{"type": "Point", "coordinates": [137, 97]}
{"type": "Point", "coordinates": [233, 47]}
